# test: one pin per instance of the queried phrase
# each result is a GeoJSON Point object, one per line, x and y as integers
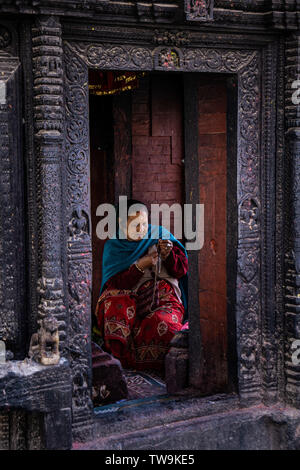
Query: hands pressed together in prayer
{"type": "Point", "coordinates": [164, 248]}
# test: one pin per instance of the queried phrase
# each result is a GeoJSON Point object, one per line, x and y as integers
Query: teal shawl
{"type": "Point", "coordinates": [119, 254]}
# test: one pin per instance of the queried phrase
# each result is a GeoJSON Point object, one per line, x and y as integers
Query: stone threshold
{"type": "Point", "coordinates": [215, 422]}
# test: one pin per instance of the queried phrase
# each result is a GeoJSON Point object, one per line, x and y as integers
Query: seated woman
{"type": "Point", "coordinates": [142, 297]}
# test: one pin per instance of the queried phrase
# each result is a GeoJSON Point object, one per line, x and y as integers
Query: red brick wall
{"type": "Point", "coordinates": [212, 257]}
{"type": "Point", "coordinates": [157, 140]}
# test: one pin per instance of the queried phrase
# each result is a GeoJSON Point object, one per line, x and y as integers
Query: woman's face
{"type": "Point", "coordinates": [137, 226]}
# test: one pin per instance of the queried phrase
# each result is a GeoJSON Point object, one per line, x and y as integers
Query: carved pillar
{"type": "Point", "coordinates": [48, 143]}
{"type": "Point", "coordinates": [292, 223]}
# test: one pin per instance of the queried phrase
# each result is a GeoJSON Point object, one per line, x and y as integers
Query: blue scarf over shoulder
{"type": "Point", "coordinates": [119, 254]}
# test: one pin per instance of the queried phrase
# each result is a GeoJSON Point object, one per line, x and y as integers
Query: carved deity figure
{"type": "Point", "coordinates": [44, 345]}
{"type": "Point", "coordinates": [198, 9]}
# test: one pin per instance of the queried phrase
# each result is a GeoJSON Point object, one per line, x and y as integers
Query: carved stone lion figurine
{"type": "Point", "coordinates": [44, 345]}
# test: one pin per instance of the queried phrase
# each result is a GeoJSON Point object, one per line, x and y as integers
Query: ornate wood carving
{"type": "Point", "coordinates": [246, 64]}
{"type": "Point", "coordinates": [4, 431]}
{"type": "Point", "coordinates": [273, 14]}
{"type": "Point", "coordinates": [199, 10]}
{"type": "Point", "coordinates": [48, 141]}
{"type": "Point", "coordinates": [292, 219]}
{"type": "Point", "coordinates": [79, 250]}
{"type": "Point", "coordinates": [12, 281]}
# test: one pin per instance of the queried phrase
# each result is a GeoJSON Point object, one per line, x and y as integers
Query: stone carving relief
{"type": "Point", "coordinates": [199, 10]}
{"type": "Point", "coordinates": [44, 345]}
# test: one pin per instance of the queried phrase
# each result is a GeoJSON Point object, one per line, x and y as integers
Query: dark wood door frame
{"type": "Point", "coordinates": [253, 95]}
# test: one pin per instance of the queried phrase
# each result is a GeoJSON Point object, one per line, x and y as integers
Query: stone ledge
{"type": "Point", "coordinates": [31, 386]}
{"type": "Point", "coordinates": [255, 428]}
{"type": "Point", "coordinates": [161, 411]}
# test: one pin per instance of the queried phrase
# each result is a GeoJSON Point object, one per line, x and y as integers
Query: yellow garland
{"type": "Point", "coordinates": [96, 89]}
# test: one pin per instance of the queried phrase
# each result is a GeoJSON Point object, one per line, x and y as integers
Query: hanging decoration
{"type": "Point", "coordinates": [110, 83]}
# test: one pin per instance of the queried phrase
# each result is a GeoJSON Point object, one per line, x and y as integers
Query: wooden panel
{"type": "Point", "coordinates": [212, 153]}
{"type": "Point", "coordinates": [191, 114]}
{"type": "Point", "coordinates": [122, 145]}
{"type": "Point", "coordinates": [102, 181]}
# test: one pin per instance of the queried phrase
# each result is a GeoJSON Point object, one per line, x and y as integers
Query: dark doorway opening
{"type": "Point", "coordinates": [137, 147]}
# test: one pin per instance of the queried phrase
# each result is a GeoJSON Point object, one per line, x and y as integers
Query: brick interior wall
{"type": "Point", "coordinates": [157, 140]}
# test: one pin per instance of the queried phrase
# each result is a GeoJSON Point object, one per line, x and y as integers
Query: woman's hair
{"type": "Point", "coordinates": [130, 202]}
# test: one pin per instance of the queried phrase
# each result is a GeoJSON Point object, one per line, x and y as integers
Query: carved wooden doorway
{"type": "Point", "coordinates": [253, 94]}
{"type": "Point", "coordinates": [140, 146]}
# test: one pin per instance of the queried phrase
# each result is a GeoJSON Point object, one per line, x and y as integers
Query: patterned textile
{"type": "Point", "coordinates": [139, 343]}
{"type": "Point", "coordinates": [147, 300]}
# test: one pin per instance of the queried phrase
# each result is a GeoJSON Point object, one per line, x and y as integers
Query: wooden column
{"type": "Point", "coordinates": [192, 197]}
{"type": "Point", "coordinates": [48, 142]}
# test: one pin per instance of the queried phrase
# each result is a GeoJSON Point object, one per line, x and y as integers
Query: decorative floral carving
{"type": "Point", "coordinates": [76, 100]}
{"type": "Point", "coordinates": [141, 58]}
{"type": "Point", "coordinates": [76, 131]}
{"type": "Point", "coordinates": [77, 159]}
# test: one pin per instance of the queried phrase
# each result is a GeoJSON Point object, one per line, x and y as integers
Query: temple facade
{"type": "Point", "coordinates": [218, 100]}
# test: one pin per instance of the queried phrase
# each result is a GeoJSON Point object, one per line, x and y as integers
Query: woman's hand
{"type": "Point", "coordinates": [148, 261]}
{"type": "Point", "coordinates": [165, 247]}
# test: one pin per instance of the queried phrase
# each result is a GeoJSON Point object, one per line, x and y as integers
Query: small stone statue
{"type": "Point", "coordinates": [44, 345]}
